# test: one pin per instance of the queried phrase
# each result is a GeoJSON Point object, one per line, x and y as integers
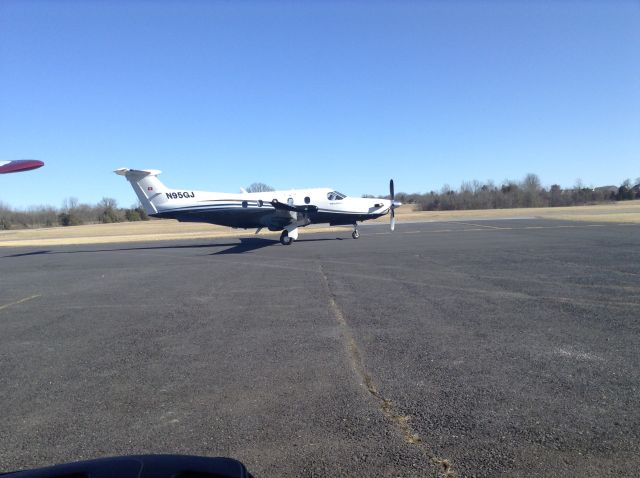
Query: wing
{"type": "Point", "coordinates": [19, 165]}
{"type": "Point", "coordinates": [286, 207]}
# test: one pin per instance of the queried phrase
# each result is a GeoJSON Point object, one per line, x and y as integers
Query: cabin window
{"type": "Point", "coordinates": [307, 200]}
{"type": "Point", "coordinates": [245, 204]}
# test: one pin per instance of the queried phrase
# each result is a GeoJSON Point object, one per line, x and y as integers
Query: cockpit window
{"type": "Point", "coordinates": [335, 196]}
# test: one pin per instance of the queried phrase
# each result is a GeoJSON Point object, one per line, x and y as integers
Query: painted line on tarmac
{"type": "Point", "coordinates": [10, 304]}
{"type": "Point", "coordinates": [478, 225]}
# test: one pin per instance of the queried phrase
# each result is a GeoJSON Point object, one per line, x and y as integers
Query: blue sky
{"type": "Point", "coordinates": [312, 94]}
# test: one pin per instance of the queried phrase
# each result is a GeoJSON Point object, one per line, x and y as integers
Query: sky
{"type": "Point", "coordinates": [219, 95]}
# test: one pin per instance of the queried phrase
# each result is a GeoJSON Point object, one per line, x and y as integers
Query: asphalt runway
{"type": "Point", "coordinates": [487, 348]}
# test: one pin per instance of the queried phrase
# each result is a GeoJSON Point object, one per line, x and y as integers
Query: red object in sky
{"type": "Point", "coordinates": [19, 165]}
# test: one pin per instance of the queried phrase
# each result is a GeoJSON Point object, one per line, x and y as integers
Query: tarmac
{"type": "Point", "coordinates": [475, 348]}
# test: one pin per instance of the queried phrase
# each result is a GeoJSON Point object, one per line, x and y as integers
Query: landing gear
{"type": "Point", "coordinates": [355, 234]}
{"type": "Point", "coordinates": [285, 238]}
{"type": "Point", "coordinates": [289, 235]}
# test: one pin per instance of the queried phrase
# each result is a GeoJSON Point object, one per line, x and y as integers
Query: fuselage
{"type": "Point", "coordinates": [252, 210]}
{"type": "Point", "coordinates": [284, 211]}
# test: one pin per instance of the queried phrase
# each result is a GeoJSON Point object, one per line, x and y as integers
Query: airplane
{"type": "Point", "coordinates": [284, 211]}
{"type": "Point", "coordinates": [19, 165]}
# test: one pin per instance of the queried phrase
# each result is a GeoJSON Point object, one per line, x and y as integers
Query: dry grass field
{"type": "Point", "coordinates": [623, 212]}
{"type": "Point", "coordinates": [626, 212]}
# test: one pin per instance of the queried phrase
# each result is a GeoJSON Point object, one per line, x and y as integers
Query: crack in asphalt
{"type": "Point", "coordinates": [387, 407]}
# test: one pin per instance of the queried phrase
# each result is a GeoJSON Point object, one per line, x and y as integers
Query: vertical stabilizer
{"type": "Point", "coordinates": [147, 186]}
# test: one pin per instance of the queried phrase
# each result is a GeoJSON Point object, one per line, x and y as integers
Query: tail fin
{"type": "Point", "coordinates": [148, 188]}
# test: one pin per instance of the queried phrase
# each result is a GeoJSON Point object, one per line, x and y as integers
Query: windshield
{"type": "Point", "coordinates": [335, 196]}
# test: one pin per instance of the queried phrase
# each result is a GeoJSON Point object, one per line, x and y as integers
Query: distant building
{"type": "Point", "coordinates": [607, 189]}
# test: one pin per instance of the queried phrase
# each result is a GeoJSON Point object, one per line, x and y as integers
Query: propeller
{"type": "Point", "coordinates": [394, 205]}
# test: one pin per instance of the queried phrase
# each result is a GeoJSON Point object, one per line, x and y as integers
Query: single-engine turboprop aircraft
{"type": "Point", "coordinates": [19, 165]}
{"type": "Point", "coordinates": [284, 211]}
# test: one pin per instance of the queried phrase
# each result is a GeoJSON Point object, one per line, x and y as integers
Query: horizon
{"type": "Point", "coordinates": [456, 189]}
{"type": "Point", "coordinates": [344, 95]}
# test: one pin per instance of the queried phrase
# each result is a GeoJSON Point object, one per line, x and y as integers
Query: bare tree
{"type": "Point", "coordinates": [259, 188]}
{"type": "Point", "coordinates": [555, 194]}
{"type": "Point", "coordinates": [108, 203]}
{"type": "Point", "coordinates": [531, 182]}
{"type": "Point", "coordinates": [625, 191]}
{"type": "Point", "coordinates": [69, 204]}
{"type": "Point", "coordinates": [531, 187]}
{"type": "Point", "coordinates": [108, 211]}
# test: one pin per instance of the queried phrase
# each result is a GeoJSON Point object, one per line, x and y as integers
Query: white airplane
{"type": "Point", "coordinates": [284, 211]}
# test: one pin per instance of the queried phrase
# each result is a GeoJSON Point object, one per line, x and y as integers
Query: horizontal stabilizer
{"type": "Point", "coordinates": [137, 172]}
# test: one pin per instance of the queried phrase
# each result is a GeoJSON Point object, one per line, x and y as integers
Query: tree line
{"type": "Point", "coordinates": [471, 195]}
{"type": "Point", "coordinates": [72, 213]}
{"type": "Point", "coordinates": [517, 194]}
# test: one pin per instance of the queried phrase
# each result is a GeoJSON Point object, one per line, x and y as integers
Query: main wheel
{"type": "Point", "coordinates": [355, 234]}
{"type": "Point", "coordinates": [285, 240]}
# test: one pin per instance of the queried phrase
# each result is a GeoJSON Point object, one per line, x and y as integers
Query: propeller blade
{"type": "Point", "coordinates": [392, 209]}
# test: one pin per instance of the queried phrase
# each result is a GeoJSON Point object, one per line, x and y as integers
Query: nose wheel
{"type": "Point", "coordinates": [355, 234]}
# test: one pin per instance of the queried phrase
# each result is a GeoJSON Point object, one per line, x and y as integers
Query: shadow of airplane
{"type": "Point", "coordinates": [35, 253]}
{"type": "Point", "coordinates": [91, 251]}
{"type": "Point", "coordinates": [246, 244]}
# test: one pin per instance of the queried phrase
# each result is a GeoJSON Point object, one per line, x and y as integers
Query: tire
{"type": "Point", "coordinates": [355, 234]}
{"type": "Point", "coordinates": [285, 240]}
